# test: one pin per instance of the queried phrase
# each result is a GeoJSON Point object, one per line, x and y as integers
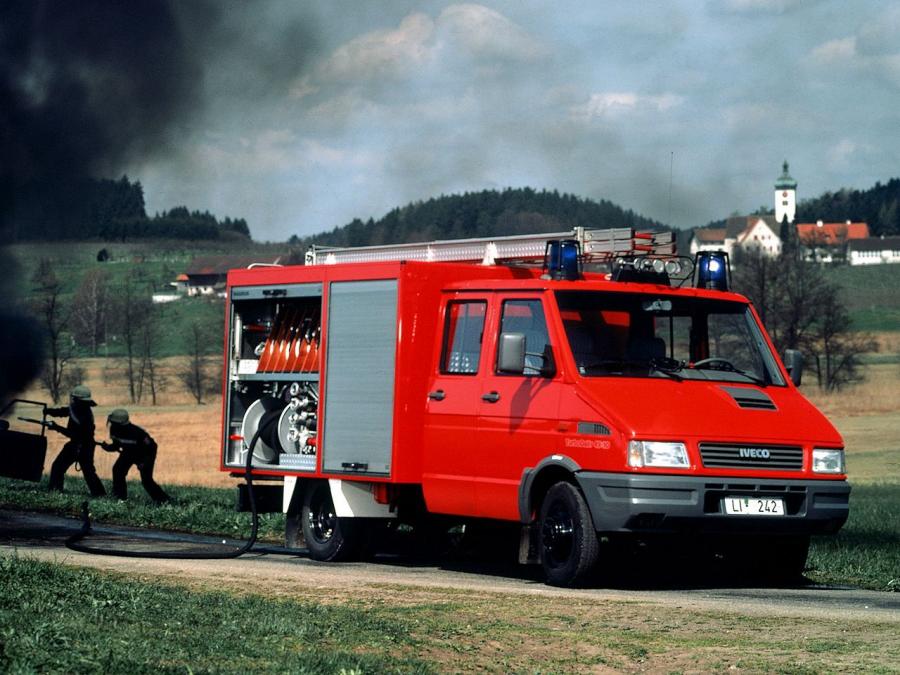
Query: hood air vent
{"type": "Point", "coordinates": [750, 398]}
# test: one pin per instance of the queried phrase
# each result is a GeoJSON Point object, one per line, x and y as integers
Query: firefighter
{"type": "Point", "coordinates": [80, 447]}
{"type": "Point", "coordinates": [136, 447]}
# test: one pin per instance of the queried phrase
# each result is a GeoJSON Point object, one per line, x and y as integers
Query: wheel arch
{"type": "Point", "coordinates": [537, 480]}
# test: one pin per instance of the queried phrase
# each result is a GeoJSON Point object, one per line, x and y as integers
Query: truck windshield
{"type": "Point", "coordinates": [645, 335]}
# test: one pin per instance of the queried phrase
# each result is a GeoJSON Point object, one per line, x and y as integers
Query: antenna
{"type": "Point", "coordinates": [669, 214]}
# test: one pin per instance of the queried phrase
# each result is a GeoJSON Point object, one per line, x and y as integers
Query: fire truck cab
{"type": "Point", "coordinates": [457, 379]}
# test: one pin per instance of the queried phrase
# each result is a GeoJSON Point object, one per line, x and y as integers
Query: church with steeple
{"type": "Point", "coordinates": [785, 196]}
{"type": "Point", "coordinates": [760, 232]}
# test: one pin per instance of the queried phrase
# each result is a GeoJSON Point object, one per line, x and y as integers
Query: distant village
{"type": "Point", "coordinates": [823, 242]}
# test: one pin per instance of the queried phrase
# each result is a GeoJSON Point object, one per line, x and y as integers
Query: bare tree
{"type": "Point", "coordinates": [196, 374]}
{"type": "Point", "coordinates": [132, 311]}
{"type": "Point", "coordinates": [835, 348]}
{"type": "Point", "coordinates": [802, 310]}
{"type": "Point", "coordinates": [150, 378]}
{"type": "Point", "coordinates": [89, 310]}
{"type": "Point", "coordinates": [53, 317]}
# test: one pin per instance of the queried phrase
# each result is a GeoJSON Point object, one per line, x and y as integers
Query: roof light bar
{"type": "Point", "coordinates": [652, 269]}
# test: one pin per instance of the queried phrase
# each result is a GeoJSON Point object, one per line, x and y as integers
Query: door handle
{"type": "Point", "coordinates": [491, 397]}
{"type": "Point", "coordinates": [438, 395]}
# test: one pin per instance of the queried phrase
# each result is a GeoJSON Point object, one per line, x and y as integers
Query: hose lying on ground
{"type": "Point", "coordinates": [75, 541]}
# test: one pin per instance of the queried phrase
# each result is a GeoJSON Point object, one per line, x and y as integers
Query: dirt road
{"type": "Point", "coordinates": [275, 571]}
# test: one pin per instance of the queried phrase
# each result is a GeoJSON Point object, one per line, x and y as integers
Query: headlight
{"type": "Point", "coordinates": [827, 461]}
{"type": "Point", "coordinates": [657, 453]}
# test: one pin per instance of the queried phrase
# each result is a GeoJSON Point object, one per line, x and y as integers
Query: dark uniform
{"type": "Point", "coordinates": [80, 448]}
{"type": "Point", "coordinates": [136, 447]}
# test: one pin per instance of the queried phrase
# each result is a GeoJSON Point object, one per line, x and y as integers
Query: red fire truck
{"type": "Point", "coordinates": [586, 385]}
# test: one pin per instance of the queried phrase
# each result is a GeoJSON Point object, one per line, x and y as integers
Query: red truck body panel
{"type": "Point", "coordinates": [468, 454]}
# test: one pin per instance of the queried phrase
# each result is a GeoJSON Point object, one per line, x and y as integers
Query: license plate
{"type": "Point", "coordinates": [754, 506]}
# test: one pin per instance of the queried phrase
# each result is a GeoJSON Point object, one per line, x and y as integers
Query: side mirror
{"type": "Point", "coordinates": [793, 361]}
{"type": "Point", "coordinates": [511, 353]}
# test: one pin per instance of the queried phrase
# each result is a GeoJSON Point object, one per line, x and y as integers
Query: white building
{"type": "Point", "coordinates": [747, 232]}
{"type": "Point", "coordinates": [874, 251]}
{"type": "Point", "coordinates": [752, 232]}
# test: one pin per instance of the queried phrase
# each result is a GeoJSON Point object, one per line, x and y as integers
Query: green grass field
{"type": "Point", "coordinates": [57, 619]}
{"type": "Point", "coordinates": [871, 295]}
{"type": "Point", "coordinates": [60, 618]}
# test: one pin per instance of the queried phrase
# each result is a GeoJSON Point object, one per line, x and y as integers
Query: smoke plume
{"type": "Point", "coordinates": [83, 87]}
{"type": "Point", "coordinates": [90, 87]}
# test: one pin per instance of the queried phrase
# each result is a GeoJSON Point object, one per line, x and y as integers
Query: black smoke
{"type": "Point", "coordinates": [84, 87]}
{"type": "Point", "coordinates": [88, 87]}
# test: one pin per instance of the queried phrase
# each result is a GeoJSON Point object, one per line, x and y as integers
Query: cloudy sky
{"type": "Point", "coordinates": [317, 113]}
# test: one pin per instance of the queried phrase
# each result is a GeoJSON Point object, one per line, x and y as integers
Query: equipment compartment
{"type": "Point", "coordinates": [273, 371]}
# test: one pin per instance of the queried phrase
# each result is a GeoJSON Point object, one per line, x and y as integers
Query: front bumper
{"type": "Point", "coordinates": [665, 504]}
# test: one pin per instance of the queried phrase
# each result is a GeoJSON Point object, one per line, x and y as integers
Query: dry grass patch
{"type": "Point", "coordinates": [188, 434]}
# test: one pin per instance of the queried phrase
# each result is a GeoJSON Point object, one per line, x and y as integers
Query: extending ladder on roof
{"type": "Point", "coordinates": [596, 246]}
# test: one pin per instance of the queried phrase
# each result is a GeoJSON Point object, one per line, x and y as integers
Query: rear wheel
{"type": "Point", "coordinates": [569, 547]}
{"type": "Point", "coordinates": [328, 537]}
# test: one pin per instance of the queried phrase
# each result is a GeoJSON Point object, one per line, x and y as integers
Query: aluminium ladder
{"type": "Point", "coordinates": [596, 245]}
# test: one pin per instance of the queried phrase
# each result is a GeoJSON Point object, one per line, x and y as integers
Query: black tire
{"type": "Point", "coordinates": [328, 538]}
{"type": "Point", "coordinates": [569, 547]}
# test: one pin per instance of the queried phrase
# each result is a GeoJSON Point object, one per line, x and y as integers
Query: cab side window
{"type": "Point", "coordinates": [527, 317]}
{"type": "Point", "coordinates": [463, 330]}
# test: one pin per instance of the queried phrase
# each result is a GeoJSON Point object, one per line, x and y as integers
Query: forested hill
{"type": "Point", "coordinates": [482, 214]}
{"type": "Point", "coordinates": [89, 208]}
{"type": "Point", "coordinates": [879, 206]}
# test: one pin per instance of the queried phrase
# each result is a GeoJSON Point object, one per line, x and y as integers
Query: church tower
{"type": "Point", "coordinates": [785, 196]}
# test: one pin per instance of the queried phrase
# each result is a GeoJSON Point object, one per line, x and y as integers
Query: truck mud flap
{"type": "Point", "coordinates": [268, 498]}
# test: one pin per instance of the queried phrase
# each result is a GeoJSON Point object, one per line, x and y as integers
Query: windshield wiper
{"type": "Point", "coordinates": [668, 367]}
{"type": "Point", "coordinates": [726, 366]}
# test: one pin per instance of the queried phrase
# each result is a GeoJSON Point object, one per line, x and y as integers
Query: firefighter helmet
{"type": "Point", "coordinates": [81, 393]}
{"type": "Point", "coordinates": [118, 416]}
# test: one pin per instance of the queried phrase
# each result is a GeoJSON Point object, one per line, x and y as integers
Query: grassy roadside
{"type": "Point", "coordinates": [196, 510]}
{"type": "Point", "coordinates": [57, 618]}
{"type": "Point", "coordinates": [53, 618]}
{"type": "Point", "coordinates": [865, 553]}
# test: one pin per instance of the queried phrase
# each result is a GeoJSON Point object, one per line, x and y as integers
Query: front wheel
{"type": "Point", "coordinates": [328, 538]}
{"type": "Point", "coordinates": [569, 547]}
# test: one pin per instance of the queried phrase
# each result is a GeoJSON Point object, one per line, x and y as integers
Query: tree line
{"type": "Point", "coordinates": [481, 214]}
{"type": "Point", "coordinates": [98, 312]}
{"type": "Point", "coordinates": [879, 206]}
{"type": "Point", "coordinates": [110, 210]}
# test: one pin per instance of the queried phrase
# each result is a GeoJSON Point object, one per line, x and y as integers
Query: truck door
{"type": "Point", "coordinates": [519, 414]}
{"type": "Point", "coordinates": [454, 394]}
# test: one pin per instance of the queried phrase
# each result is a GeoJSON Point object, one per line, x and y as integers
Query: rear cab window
{"type": "Point", "coordinates": [463, 337]}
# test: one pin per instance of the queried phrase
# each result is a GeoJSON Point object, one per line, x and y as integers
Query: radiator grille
{"type": "Point", "coordinates": [772, 457]}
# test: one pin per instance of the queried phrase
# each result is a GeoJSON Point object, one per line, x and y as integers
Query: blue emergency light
{"type": "Point", "coordinates": [712, 270]}
{"type": "Point", "coordinates": [561, 259]}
